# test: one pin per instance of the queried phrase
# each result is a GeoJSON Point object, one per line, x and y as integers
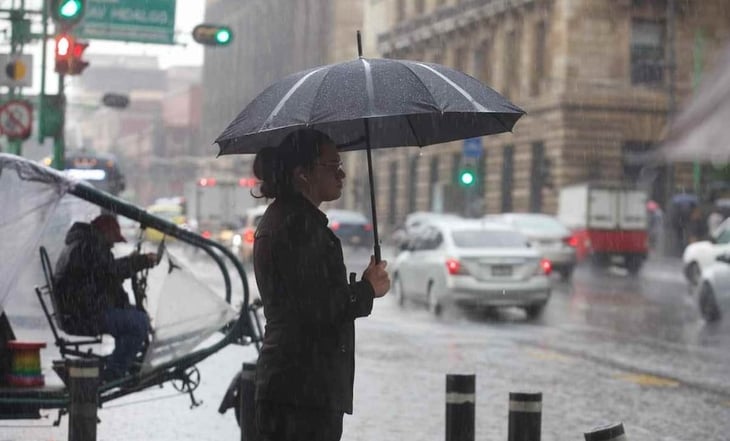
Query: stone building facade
{"type": "Point", "coordinates": [595, 78]}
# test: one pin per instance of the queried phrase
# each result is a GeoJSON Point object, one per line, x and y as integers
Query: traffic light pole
{"type": "Point", "coordinates": [59, 140]}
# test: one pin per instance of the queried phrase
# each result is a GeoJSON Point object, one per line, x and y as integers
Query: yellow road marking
{"type": "Point", "coordinates": [648, 380]}
{"type": "Point", "coordinates": [542, 354]}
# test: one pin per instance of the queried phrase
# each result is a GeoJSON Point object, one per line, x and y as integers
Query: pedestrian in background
{"type": "Point", "coordinates": [305, 370]}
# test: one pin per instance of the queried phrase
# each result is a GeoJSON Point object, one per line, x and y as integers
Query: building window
{"type": "Point", "coordinates": [538, 73]}
{"type": "Point", "coordinates": [647, 52]}
{"type": "Point", "coordinates": [482, 64]}
{"type": "Point", "coordinates": [433, 178]}
{"type": "Point", "coordinates": [508, 154]}
{"type": "Point", "coordinates": [455, 165]}
{"type": "Point", "coordinates": [512, 61]}
{"type": "Point", "coordinates": [420, 7]}
{"type": "Point", "coordinates": [400, 10]}
{"type": "Point", "coordinates": [393, 187]}
{"type": "Point", "coordinates": [460, 59]}
{"type": "Point", "coordinates": [413, 179]}
{"type": "Point", "coordinates": [537, 176]}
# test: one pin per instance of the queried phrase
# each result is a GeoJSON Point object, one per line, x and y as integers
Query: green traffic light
{"type": "Point", "coordinates": [70, 9]}
{"type": "Point", "coordinates": [223, 36]}
{"type": "Point", "coordinates": [467, 178]}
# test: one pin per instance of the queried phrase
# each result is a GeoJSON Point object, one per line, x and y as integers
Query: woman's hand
{"type": "Point", "coordinates": [377, 276]}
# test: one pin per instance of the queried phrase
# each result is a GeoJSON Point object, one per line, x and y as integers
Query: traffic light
{"type": "Point", "coordinates": [76, 62]}
{"type": "Point", "coordinates": [69, 54]}
{"type": "Point", "coordinates": [212, 35]}
{"type": "Point", "coordinates": [67, 13]}
{"type": "Point", "coordinates": [64, 43]}
{"type": "Point", "coordinates": [467, 176]}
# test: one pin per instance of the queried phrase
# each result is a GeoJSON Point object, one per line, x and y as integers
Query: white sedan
{"type": "Point", "coordinates": [699, 255]}
{"type": "Point", "coordinates": [714, 289]}
{"type": "Point", "coordinates": [471, 263]}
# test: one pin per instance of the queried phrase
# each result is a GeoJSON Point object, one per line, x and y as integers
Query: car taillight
{"type": "Point", "coordinates": [248, 235]}
{"type": "Point", "coordinates": [455, 267]}
{"type": "Point", "coordinates": [368, 227]}
{"type": "Point", "coordinates": [334, 226]}
{"type": "Point", "coordinates": [206, 234]}
{"type": "Point", "coordinates": [546, 266]}
{"type": "Point", "coordinates": [571, 241]}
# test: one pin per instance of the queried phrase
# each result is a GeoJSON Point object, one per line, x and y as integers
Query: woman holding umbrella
{"type": "Point", "coordinates": [305, 371]}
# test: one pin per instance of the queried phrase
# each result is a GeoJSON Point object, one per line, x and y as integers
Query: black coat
{"type": "Point", "coordinates": [88, 279]}
{"type": "Point", "coordinates": [308, 354]}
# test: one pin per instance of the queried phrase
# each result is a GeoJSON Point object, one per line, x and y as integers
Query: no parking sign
{"type": "Point", "coordinates": [16, 119]}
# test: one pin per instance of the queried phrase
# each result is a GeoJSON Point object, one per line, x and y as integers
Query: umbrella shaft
{"type": "Point", "coordinates": [376, 242]}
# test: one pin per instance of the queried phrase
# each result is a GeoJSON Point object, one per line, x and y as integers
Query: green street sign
{"type": "Point", "coordinates": [143, 21]}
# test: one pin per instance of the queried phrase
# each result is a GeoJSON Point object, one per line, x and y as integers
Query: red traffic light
{"type": "Point", "coordinates": [64, 45]}
{"type": "Point", "coordinates": [76, 64]}
{"type": "Point", "coordinates": [69, 53]}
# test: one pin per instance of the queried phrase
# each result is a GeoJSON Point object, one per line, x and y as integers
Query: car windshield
{"type": "Point", "coordinates": [479, 238]}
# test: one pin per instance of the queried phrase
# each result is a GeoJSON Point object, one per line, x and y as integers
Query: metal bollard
{"type": "Point", "coordinates": [610, 432]}
{"type": "Point", "coordinates": [83, 381]}
{"type": "Point", "coordinates": [525, 416]}
{"type": "Point", "coordinates": [460, 399]}
{"type": "Point", "coordinates": [247, 407]}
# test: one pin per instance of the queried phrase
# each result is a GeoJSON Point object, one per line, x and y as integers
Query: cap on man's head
{"type": "Point", "coordinates": [108, 225]}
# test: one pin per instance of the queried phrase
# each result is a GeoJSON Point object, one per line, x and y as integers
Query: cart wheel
{"type": "Point", "coordinates": [708, 305]}
{"type": "Point", "coordinates": [633, 264]}
{"type": "Point", "coordinates": [188, 380]}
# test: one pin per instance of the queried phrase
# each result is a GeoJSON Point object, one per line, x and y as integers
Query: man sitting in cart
{"type": "Point", "coordinates": [88, 283]}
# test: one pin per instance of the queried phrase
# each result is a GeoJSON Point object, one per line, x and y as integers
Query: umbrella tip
{"type": "Point", "coordinates": [359, 44]}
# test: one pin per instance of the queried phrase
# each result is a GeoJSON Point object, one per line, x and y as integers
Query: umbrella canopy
{"type": "Point", "coordinates": [406, 103]}
{"type": "Point", "coordinates": [701, 131]}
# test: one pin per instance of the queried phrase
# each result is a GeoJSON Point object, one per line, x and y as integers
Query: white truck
{"type": "Point", "coordinates": [609, 222]}
{"type": "Point", "coordinates": [214, 205]}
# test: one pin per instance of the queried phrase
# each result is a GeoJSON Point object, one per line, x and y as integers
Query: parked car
{"type": "Point", "coordinates": [471, 263]}
{"type": "Point", "coordinates": [546, 234]}
{"type": "Point", "coordinates": [351, 227]}
{"type": "Point", "coordinates": [714, 289]}
{"type": "Point", "coordinates": [699, 255]}
{"type": "Point", "coordinates": [242, 240]}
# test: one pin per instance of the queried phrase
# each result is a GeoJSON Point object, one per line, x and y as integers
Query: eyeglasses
{"type": "Point", "coordinates": [332, 165]}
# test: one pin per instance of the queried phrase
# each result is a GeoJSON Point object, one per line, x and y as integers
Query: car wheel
{"type": "Point", "coordinates": [693, 273]}
{"type": "Point", "coordinates": [434, 307]}
{"type": "Point", "coordinates": [398, 293]}
{"type": "Point", "coordinates": [534, 311]}
{"type": "Point", "coordinates": [708, 304]}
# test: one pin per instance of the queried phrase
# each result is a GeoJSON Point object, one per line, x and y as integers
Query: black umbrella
{"type": "Point", "coordinates": [372, 103]}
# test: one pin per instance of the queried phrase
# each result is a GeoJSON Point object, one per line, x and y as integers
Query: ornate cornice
{"type": "Point", "coordinates": [444, 20]}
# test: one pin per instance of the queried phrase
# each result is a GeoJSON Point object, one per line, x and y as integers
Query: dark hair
{"type": "Point", "coordinates": [273, 166]}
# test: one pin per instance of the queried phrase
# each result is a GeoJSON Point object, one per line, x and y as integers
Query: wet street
{"type": "Point", "coordinates": [608, 348]}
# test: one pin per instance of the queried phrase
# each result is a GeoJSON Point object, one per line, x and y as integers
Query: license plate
{"type": "Point", "coordinates": [355, 240]}
{"type": "Point", "coordinates": [502, 270]}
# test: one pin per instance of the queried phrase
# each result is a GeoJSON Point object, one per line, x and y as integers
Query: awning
{"type": "Point", "coordinates": [701, 131]}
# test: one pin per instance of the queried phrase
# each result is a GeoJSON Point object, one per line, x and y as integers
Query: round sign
{"type": "Point", "coordinates": [16, 119]}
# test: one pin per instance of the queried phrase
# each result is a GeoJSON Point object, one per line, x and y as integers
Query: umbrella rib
{"type": "Point", "coordinates": [286, 97]}
{"type": "Point", "coordinates": [463, 92]}
{"type": "Point", "coordinates": [413, 130]}
{"type": "Point", "coordinates": [433, 98]}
